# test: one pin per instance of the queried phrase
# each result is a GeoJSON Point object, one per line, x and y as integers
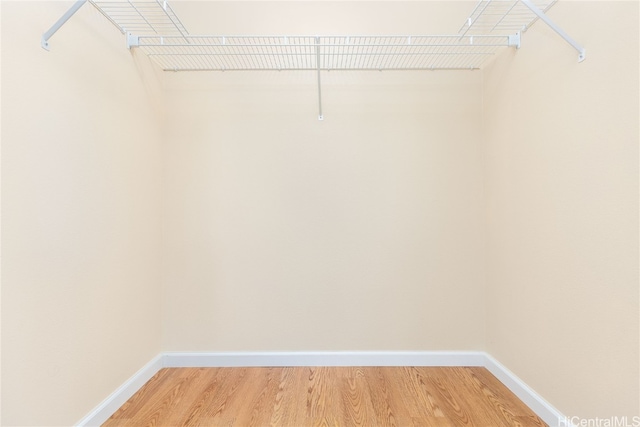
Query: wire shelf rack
{"type": "Point", "coordinates": [142, 17]}
{"type": "Point", "coordinates": [229, 53]}
{"type": "Point", "coordinates": [502, 17]}
{"type": "Point", "coordinates": [154, 28]}
{"type": "Point", "coordinates": [161, 35]}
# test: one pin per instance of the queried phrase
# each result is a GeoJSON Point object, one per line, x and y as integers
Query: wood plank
{"type": "Point", "coordinates": [141, 397]}
{"type": "Point", "coordinates": [356, 399]}
{"type": "Point", "coordinates": [290, 399]}
{"type": "Point", "coordinates": [324, 396]}
{"type": "Point", "coordinates": [324, 406]}
{"type": "Point", "coordinates": [387, 404]}
{"type": "Point", "coordinates": [203, 409]}
{"type": "Point", "coordinates": [166, 402]}
{"type": "Point", "coordinates": [503, 399]}
{"type": "Point", "coordinates": [482, 395]}
{"type": "Point", "coordinates": [453, 406]}
{"type": "Point", "coordinates": [215, 398]}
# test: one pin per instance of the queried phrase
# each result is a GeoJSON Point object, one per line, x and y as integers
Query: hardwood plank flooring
{"type": "Point", "coordinates": [325, 396]}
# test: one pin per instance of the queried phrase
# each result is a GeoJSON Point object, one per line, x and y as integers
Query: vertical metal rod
{"type": "Point", "coordinates": [540, 14]}
{"type": "Point", "coordinates": [320, 116]}
{"type": "Point", "coordinates": [44, 42]}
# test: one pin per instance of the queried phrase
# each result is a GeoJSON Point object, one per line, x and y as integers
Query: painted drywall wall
{"type": "Point", "coordinates": [562, 209]}
{"type": "Point", "coordinates": [323, 16]}
{"type": "Point", "coordinates": [80, 215]}
{"type": "Point", "coordinates": [0, 217]}
{"type": "Point", "coordinates": [359, 232]}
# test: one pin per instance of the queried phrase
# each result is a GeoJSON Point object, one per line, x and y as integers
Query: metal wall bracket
{"type": "Point", "coordinates": [132, 41]}
{"type": "Point", "coordinates": [514, 40]}
{"type": "Point", "coordinates": [540, 14]}
{"type": "Point", "coordinates": [44, 42]}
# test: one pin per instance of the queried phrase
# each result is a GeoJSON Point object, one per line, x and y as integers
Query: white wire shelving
{"type": "Point", "coordinates": [405, 52]}
{"type": "Point", "coordinates": [502, 17]}
{"type": "Point", "coordinates": [155, 29]}
{"type": "Point", "coordinates": [142, 17]}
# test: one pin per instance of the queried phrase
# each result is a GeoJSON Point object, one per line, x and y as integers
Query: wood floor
{"type": "Point", "coordinates": [324, 396]}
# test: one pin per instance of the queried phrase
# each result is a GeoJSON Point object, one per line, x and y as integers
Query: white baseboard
{"type": "Point", "coordinates": [541, 407]}
{"type": "Point", "coordinates": [340, 358]}
{"type": "Point", "coordinates": [529, 397]}
{"type": "Point", "coordinates": [112, 403]}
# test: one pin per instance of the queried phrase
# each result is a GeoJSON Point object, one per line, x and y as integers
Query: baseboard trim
{"type": "Point", "coordinates": [529, 397]}
{"type": "Point", "coordinates": [351, 358]}
{"type": "Point", "coordinates": [110, 405]}
{"type": "Point", "coordinates": [116, 399]}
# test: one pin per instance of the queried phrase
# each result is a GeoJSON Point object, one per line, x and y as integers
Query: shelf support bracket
{"type": "Point", "coordinates": [132, 41]}
{"type": "Point", "coordinates": [320, 116]}
{"type": "Point", "coordinates": [44, 42]}
{"type": "Point", "coordinates": [540, 14]}
{"type": "Point", "coordinates": [514, 40]}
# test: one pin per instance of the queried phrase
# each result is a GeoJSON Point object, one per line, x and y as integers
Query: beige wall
{"type": "Point", "coordinates": [0, 218]}
{"type": "Point", "coordinates": [562, 209]}
{"type": "Point", "coordinates": [80, 216]}
{"type": "Point", "coordinates": [323, 16]}
{"type": "Point", "coordinates": [359, 232]}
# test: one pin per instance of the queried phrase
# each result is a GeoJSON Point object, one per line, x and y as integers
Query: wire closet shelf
{"type": "Point", "coordinates": [154, 28]}
{"type": "Point", "coordinates": [236, 53]}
